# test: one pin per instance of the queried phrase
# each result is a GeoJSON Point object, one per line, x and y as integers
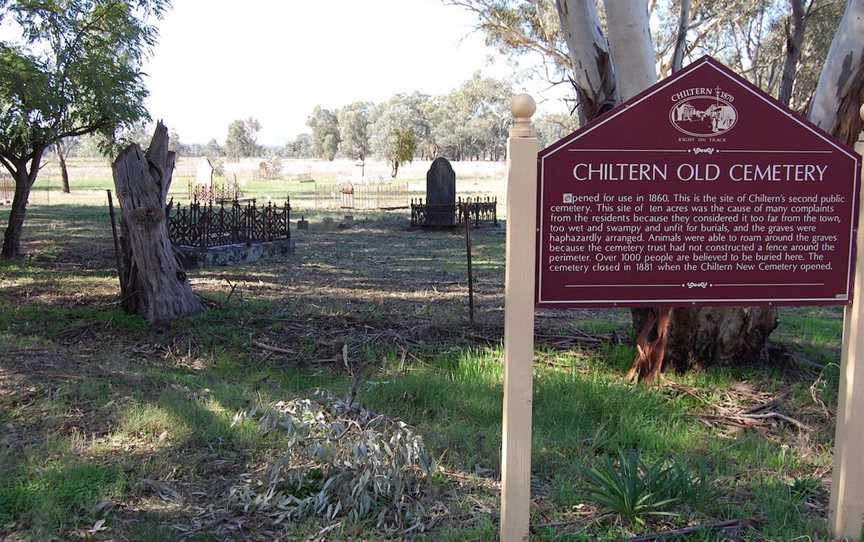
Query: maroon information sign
{"type": "Point", "coordinates": [701, 190]}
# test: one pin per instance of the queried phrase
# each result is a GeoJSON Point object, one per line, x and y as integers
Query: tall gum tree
{"type": "Point", "coordinates": [75, 70]}
{"type": "Point", "coordinates": [620, 67]}
{"type": "Point", "coordinates": [840, 90]}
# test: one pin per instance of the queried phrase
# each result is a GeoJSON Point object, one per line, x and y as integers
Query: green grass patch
{"type": "Point", "coordinates": [57, 494]}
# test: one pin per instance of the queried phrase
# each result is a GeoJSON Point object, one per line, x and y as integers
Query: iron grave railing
{"type": "Point", "coordinates": [219, 193]}
{"type": "Point", "coordinates": [7, 188]}
{"type": "Point", "coordinates": [365, 196]}
{"type": "Point", "coordinates": [210, 225]}
{"type": "Point", "coordinates": [479, 210]}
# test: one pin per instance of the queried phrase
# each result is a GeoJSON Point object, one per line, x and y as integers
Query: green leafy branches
{"type": "Point", "coordinates": [75, 69]}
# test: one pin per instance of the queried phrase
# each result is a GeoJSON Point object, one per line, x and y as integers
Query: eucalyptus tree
{"type": "Point", "coordinates": [761, 39]}
{"type": "Point", "coordinates": [353, 123]}
{"type": "Point", "coordinates": [325, 133]}
{"type": "Point", "coordinates": [213, 149]}
{"type": "Point", "coordinates": [610, 55]}
{"type": "Point", "coordinates": [242, 139]}
{"type": "Point", "coordinates": [73, 67]}
{"type": "Point", "coordinates": [840, 89]}
{"type": "Point", "coordinates": [63, 148]}
{"type": "Point", "coordinates": [398, 127]}
{"type": "Point", "coordinates": [624, 64]}
{"type": "Point", "coordinates": [299, 147]}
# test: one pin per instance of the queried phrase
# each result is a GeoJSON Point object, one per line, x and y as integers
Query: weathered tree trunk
{"type": "Point", "coordinates": [24, 180]}
{"type": "Point", "coordinates": [680, 337]}
{"type": "Point", "coordinates": [650, 345]}
{"type": "Point", "coordinates": [12, 237]}
{"type": "Point", "coordinates": [681, 36]}
{"type": "Point", "coordinates": [64, 172]}
{"type": "Point", "coordinates": [840, 90]}
{"type": "Point", "coordinates": [156, 285]}
{"type": "Point", "coordinates": [794, 42]}
{"type": "Point", "coordinates": [589, 53]}
{"type": "Point", "coordinates": [630, 46]}
{"type": "Point", "coordinates": [709, 336]}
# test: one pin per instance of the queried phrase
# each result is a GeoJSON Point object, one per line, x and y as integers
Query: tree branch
{"type": "Point", "coordinates": [8, 165]}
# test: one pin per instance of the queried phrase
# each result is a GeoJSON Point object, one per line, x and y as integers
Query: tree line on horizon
{"type": "Point", "coordinates": [468, 123]}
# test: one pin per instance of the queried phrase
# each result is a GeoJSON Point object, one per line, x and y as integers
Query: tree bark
{"type": "Point", "coordinates": [794, 41]}
{"type": "Point", "coordinates": [24, 180]}
{"type": "Point", "coordinates": [64, 172]}
{"type": "Point", "coordinates": [156, 285]}
{"type": "Point", "coordinates": [681, 36]}
{"type": "Point", "coordinates": [630, 46]}
{"type": "Point", "coordinates": [593, 75]}
{"type": "Point", "coordinates": [12, 236]}
{"type": "Point", "coordinates": [709, 336]}
{"type": "Point", "coordinates": [840, 90]}
{"type": "Point", "coordinates": [680, 337]}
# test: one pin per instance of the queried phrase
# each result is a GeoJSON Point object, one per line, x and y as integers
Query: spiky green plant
{"type": "Point", "coordinates": [631, 489]}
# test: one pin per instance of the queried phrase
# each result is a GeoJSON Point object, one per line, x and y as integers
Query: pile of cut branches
{"type": "Point", "coordinates": [342, 461]}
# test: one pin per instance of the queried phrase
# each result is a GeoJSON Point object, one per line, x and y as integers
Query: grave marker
{"type": "Point", "coordinates": [204, 172]}
{"type": "Point", "coordinates": [440, 194]}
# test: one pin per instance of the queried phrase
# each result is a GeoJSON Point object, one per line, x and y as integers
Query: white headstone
{"type": "Point", "coordinates": [204, 172]}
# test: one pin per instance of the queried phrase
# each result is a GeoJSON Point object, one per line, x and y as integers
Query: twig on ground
{"type": "Point", "coordinates": [773, 414]}
{"type": "Point", "coordinates": [233, 287]}
{"type": "Point", "coordinates": [272, 348]}
{"type": "Point", "coordinates": [731, 525]}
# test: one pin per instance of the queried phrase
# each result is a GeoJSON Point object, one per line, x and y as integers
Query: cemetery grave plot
{"type": "Point", "coordinates": [477, 210]}
{"type": "Point", "coordinates": [149, 416]}
{"type": "Point", "coordinates": [442, 209]}
{"type": "Point", "coordinates": [361, 196]}
{"type": "Point", "coordinates": [205, 225]}
{"type": "Point", "coordinates": [207, 234]}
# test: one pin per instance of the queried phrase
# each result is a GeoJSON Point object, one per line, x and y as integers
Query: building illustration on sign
{"type": "Point", "coordinates": [701, 190]}
{"type": "Point", "coordinates": [704, 115]}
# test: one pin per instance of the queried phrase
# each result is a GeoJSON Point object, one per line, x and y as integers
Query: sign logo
{"type": "Point", "coordinates": [703, 112]}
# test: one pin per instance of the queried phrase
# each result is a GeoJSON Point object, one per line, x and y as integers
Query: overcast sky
{"type": "Point", "coordinates": [219, 60]}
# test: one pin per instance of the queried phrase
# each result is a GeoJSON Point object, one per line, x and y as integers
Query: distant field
{"type": "Point", "coordinates": [90, 177]}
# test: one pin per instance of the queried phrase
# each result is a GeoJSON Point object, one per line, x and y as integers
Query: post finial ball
{"type": "Point", "coordinates": [861, 111]}
{"type": "Point", "coordinates": [522, 106]}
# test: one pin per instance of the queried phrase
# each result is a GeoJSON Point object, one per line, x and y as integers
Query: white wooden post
{"type": "Point", "coordinates": [847, 488]}
{"type": "Point", "coordinates": [519, 321]}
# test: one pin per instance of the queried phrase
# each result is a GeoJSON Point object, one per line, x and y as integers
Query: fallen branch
{"type": "Point", "coordinates": [725, 526]}
{"type": "Point", "coordinates": [272, 348]}
{"type": "Point", "coordinates": [773, 414]}
{"type": "Point", "coordinates": [742, 419]}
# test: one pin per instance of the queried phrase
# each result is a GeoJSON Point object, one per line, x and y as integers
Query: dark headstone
{"type": "Point", "coordinates": [303, 224]}
{"type": "Point", "coordinates": [440, 194]}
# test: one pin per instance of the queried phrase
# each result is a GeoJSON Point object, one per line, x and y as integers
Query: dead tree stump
{"type": "Point", "coordinates": [155, 284]}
